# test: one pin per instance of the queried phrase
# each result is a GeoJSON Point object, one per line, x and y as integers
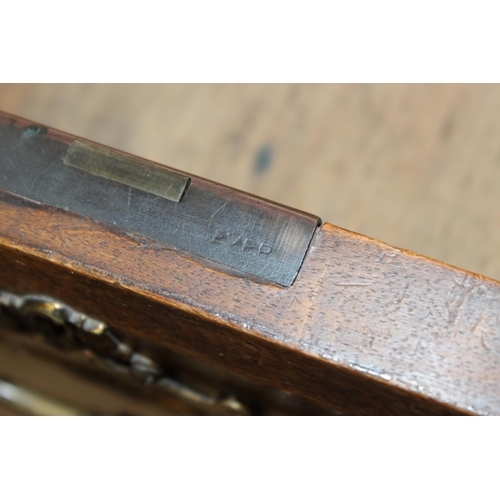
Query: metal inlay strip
{"type": "Point", "coordinates": [248, 234]}
{"type": "Point", "coordinates": [132, 172]}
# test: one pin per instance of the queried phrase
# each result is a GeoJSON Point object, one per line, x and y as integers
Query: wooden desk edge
{"type": "Point", "coordinates": [287, 337]}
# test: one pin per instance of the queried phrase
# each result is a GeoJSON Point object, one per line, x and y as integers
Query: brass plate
{"type": "Point", "coordinates": [130, 171]}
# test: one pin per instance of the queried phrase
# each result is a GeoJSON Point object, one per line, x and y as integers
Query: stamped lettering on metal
{"type": "Point", "coordinates": [252, 236]}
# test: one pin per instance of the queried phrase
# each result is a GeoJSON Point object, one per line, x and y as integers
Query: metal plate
{"type": "Point", "coordinates": [132, 172]}
{"type": "Point", "coordinates": [211, 221]}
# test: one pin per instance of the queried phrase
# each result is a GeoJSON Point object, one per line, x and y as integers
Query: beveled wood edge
{"type": "Point", "coordinates": [253, 354]}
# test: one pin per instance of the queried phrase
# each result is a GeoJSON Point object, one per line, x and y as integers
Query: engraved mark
{"type": "Point", "coordinates": [42, 173]}
{"type": "Point", "coordinates": [240, 242]}
{"type": "Point", "coordinates": [483, 343]}
{"type": "Point", "coordinates": [482, 331]}
{"type": "Point", "coordinates": [312, 298]}
{"type": "Point", "coordinates": [210, 220]}
{"type": "Point", "coordinates": [454, 305]}
{"type": "Point", "coordinates": [403, 295]}
{"type": "Point", "coordinates": [474, 328]}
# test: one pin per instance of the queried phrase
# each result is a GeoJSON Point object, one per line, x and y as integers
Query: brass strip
{"type": "Point", "coordinates": [132, 172]}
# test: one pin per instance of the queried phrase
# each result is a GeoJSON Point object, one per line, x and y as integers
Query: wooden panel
{"type": "Point", "coordinates": [366, 328]}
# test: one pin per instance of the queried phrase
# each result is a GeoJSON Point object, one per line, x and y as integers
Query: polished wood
{"type": "Point", "coordinates": [365, 329]}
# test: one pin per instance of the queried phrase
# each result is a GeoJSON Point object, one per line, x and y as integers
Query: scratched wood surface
{"type": "Point", "coordinates": [417, 166]}
{"type": "Point", "coordinates": [366, 328]}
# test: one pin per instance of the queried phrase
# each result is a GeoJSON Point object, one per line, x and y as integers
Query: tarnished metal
{"type": "Point", "coordinates": [132, 172]}
{"type": "Point", "coordinates": [253, 236]}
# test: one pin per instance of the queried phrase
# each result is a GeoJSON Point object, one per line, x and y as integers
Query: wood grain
{"type": "Point", "coordinates": [365, 329]}
{"type": "Point", "coordinates": [417, 166]}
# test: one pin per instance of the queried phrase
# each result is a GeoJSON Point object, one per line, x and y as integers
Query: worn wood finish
{"type": "Point", "coordinates": [366, 328]}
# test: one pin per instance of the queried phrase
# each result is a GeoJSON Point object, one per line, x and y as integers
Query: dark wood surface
{"type": "Point", "coordinates": [365, 329]}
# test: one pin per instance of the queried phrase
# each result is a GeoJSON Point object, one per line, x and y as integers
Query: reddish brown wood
{"type": "Point", "coordinates": [365, 329]}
